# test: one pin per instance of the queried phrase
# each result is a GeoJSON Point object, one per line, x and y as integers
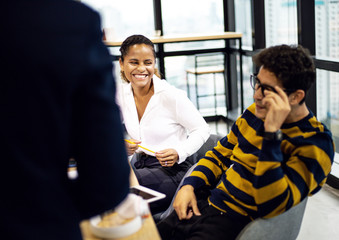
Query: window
{"type": "Point", "coordinates": [243, 21]}
{"type": "Point", "coordinates": [121, 19]}
{"type": "Point", "coordinates": [328, 106]}
{"type": "Point", "coordinates": [327, 47]}
{"type": "Point", "coordinates": [195, 17]}
{"type": "Point", "coordinates": [281, 22]}
{"type": "Point", "coordinates": [327, 29]}
{"type": "Point", "coordinates": [192, 16]}
{"type": "Point", "coordinates": [247, 71]}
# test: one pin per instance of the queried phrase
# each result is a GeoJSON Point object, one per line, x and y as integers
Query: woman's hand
{"type": "Point", "coordinates": [131, 148]}
{"type": "Point", "coordinates": [167, 157]}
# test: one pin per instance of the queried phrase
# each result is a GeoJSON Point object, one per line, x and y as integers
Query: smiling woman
{"type": "Point", "coordinates": [159, 117]}
{"type": "Point", "coordinates": [137, 64]}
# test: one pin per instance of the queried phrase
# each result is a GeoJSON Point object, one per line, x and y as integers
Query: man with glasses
{"type": "Point", "coordinates": [276, 154]}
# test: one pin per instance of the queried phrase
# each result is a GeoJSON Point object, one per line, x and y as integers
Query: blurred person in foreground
{"type": "Point", "coordinates": [276, 154]}
{"type": "Point", "coordinates": [57, 102]}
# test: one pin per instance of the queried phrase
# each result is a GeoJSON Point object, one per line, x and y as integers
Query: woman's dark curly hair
{"type": "Point", "coordinates": [132, 40]}
{"type": "Point", "coordinates": [292, 65]}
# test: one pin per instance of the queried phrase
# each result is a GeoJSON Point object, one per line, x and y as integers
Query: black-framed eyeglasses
{"type": "Point", "coordinates": [256, 84]}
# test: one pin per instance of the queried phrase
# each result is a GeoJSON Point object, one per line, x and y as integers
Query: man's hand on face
{"type": "Point", "coordinates": [278, 108]}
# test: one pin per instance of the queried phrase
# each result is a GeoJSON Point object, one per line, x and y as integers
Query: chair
{"type": "Point", "coordinates": [208, 145]}
{"type": "Point", "coordinates": [159, 216]}
{"type": "Point", "coordinates": [285, 226]}
{"type": "Point", "coordinates": [207, 64]}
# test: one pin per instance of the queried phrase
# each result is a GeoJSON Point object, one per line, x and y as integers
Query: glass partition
{"type": "Point", "coordinates": [243, 21]}
{"type": "Point", "coordinates": [247, 70]}
{"type": "Point", "coordinates": [192, 16]}
{"type": "Point", "coordinates": [281, 22]}
{"type": "Point", "coordinates": [328, 106]}
{"type": "Point", "coordinates": [121, 19]}
{"type": "Point", "coordinates": [327, 29]}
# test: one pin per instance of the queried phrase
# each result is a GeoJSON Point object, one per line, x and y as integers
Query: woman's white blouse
{"type": "Point", "coordinates": [170, 120]}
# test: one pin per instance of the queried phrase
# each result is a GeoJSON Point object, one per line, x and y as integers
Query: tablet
{"type": "Point", "coordinates": [146, 193]}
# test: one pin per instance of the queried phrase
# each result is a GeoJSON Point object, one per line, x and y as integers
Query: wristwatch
{"type": "Point", "coordinates": [271, 135]}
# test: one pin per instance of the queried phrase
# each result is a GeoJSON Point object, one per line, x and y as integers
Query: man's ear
{"type": "Point", "coordinates": [296, 97]}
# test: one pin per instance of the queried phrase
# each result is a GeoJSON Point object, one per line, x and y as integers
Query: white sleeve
{"type": "Point", "coordinates": [197, 128]}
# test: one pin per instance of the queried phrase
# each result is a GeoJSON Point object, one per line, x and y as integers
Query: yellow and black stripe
{"type": "Point", "coordinates": [253, 177]}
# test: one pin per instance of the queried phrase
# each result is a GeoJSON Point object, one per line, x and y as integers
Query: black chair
{"type": "Point", "coordinates": [285, 226]}
{"type": "Point", "coordinates": [208, 145]}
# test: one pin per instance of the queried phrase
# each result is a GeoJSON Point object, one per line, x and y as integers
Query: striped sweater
{"type": "Point", "coordinates": [252, 177]}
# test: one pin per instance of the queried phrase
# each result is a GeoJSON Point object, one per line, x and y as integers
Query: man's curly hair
{"type": "Point", "coordinates": [292, 65]}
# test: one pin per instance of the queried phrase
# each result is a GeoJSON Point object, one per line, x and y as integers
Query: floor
{"type": "Point", "coordinates": [321, 217]}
